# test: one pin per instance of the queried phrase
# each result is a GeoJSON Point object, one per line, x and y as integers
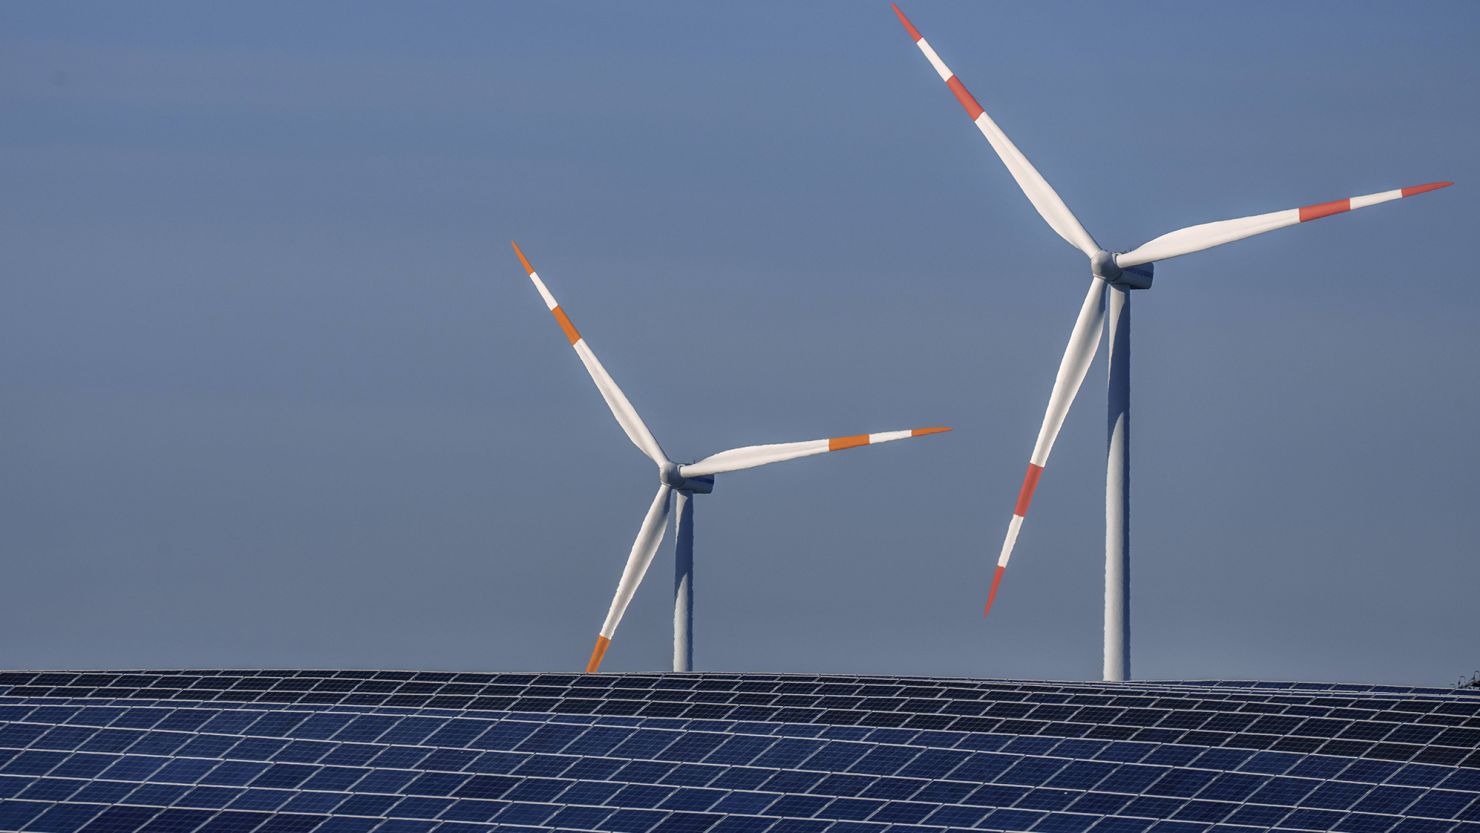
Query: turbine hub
{"type": "Point", "coordinates": [669, 475]}
{"type": "Point", "coordinates": [1106, 269]}
{"type": "Point", "coordinates": [1102, 264]}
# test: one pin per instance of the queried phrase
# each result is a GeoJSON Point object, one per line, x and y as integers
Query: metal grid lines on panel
{"type": "Point", "coordinates": [410, 751]}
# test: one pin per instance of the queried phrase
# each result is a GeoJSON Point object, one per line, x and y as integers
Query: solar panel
{"type": "Point", "coordinates": [325, 751]}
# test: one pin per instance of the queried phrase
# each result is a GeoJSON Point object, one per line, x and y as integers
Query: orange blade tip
{"type": "Point", "coordinates": [596, 654]}
{"type": "Point", "coordinates": [908, 26]}
{"type": "Point", "coordinates": [939, 429]}
{"type": "Point", "coordinates": [992, 595]}
{"type": "Point", "coordinates": [523, 261]}
{"type": "Point", "coordinates": [1425, 188]}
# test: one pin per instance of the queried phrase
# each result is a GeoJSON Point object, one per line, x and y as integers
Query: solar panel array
{"type": "Point", "coordinates": [410, 752]}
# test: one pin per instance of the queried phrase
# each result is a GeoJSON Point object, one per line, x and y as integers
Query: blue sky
{"type": "Point", "coordinates": [276, 392]}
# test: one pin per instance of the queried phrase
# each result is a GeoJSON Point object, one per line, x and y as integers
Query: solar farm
{"type": "Point", "coordinates": [192, 752]}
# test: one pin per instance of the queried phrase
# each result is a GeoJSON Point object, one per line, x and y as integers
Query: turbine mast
{"type": "Point", "coordinates": [1118, 488]}
{"type": "Point", "coordinates": [683, 583]}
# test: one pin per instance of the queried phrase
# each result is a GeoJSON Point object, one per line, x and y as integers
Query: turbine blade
{"type": "Point", "coordinates": [1206, 236]}
{"type": "Point", "coordinates": [751, 456]}
{"type": "Point", "coordinates": [637, 430]}
{"type": "Point", "coordinates": [649, 536]}
{"type": "Point", "coordinates": [1083, 342]}
{"type": "Point", "coordinates": [1039, 192]}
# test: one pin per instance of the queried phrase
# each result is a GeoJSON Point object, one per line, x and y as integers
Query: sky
{"type": "Point", "coordinates": [274, 391]}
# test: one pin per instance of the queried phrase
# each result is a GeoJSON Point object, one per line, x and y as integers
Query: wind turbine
{"type": "Point", "coordinates": [1115, 274]}
{"type": "Point", "coordinates": [686, 480]}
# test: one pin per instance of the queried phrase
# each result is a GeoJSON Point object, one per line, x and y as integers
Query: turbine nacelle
{"type": "Point", "coordinates": [668, 475]}
{"type": "Point", "coordinates": [1104, 267]}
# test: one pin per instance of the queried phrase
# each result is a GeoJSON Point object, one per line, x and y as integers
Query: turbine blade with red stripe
{"type": "Point", "coordinates": [1039, 192]}
{"type": "Point", "coordinates": [1207, 235]}
{"type": "Point", "coordinates": [1084, 341]}
{"type": "Point", "coordinates": [751, 456]}
{"type": "Point", "coordinates": [626, 415]}
{"type": "Point", "coordinates": [649, 536]}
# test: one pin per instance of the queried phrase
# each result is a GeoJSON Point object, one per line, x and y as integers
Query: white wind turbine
{"type": "Point", "coordinates": [1115, 273]}
{"type": "Point", "coordinates": [686, 480]}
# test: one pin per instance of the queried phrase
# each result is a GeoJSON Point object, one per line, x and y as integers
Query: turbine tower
{"type": "Point", "coordinates": [684, 481]}
{"type": "Point", "coordinates": [1114, 275]}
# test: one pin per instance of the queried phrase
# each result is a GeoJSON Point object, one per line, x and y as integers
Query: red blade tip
{"type": "Point", "coordinates": [594, 665]}
{"type": "Point", "coordinates": [523, 261]}
{"type": "Point", "coordinates": [908, 26]}
{"type": "Point", "coordinates": [992, 596]}
{"type": "Point", "coordinates": [1420, 189]}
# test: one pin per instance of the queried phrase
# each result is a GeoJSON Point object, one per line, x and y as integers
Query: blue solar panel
{"type": "Point", "coordinates": [403, 751]}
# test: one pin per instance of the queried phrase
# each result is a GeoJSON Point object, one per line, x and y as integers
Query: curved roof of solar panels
{"type": "Point", "coordinates": [405, 752]}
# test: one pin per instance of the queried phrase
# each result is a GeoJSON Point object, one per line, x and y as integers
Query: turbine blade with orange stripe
{"type": "Point", "coordinates": [751, 456]}
{"type": "Point", "coordinates": [626, 415]}
{"type": "Point", "coordinates": [1050, 206]}
{"type": "Point", "coordinates": [649, 536]}
{"type": "Point", "coordinates": [1207, 235]}
{"type": "Point", "coordinates": [1083, 342]}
